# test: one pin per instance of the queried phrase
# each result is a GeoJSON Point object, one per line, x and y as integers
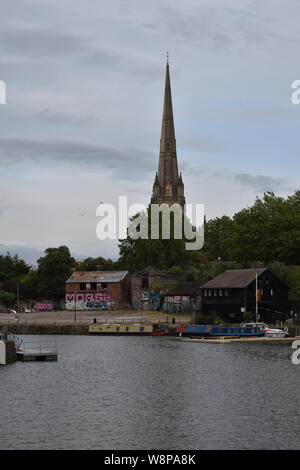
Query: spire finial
{"type": "Point", "coordinates": [168, 57]}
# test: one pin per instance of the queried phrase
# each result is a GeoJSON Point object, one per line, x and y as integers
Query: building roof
{"type": "Point", "coordinates": [233, 278]}
{"type": "Point", "coordinates": [152, 271]}
{"type": "Point", "coordinates": [186, 288]}
{"type": "Point", "coordinates": [97, 276]}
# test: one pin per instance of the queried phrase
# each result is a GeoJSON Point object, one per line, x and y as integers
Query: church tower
{"type": "Point", "coordinates": [168, 186]}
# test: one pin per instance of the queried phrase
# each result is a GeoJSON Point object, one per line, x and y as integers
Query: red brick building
{"type": "Point", "coordinates": [98, 290]}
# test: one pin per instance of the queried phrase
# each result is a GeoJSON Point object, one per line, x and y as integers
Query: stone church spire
{"type": "Point", "coordinates": [168, 186]}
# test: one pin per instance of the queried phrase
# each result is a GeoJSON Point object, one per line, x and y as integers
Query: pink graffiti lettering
{"type": "Point", "coordinates": [43, 307]}
{"type": "Point", "coordinates": [99, 297]}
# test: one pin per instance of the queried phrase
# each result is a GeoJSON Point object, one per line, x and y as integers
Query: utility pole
{"type": "Point", "coordinates": [18, 295]}
{"type": "Point", "coordinates": [256, 299]}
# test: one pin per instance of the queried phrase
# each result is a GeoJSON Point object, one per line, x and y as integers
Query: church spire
{"type": "Point", "coordinates": [168, 186]}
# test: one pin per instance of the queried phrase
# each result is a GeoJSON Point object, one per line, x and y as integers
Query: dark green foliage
{"type": "Point", "coordinates": [12, 270]}
{"type": "Point", "coordinates": [96, 264]}
{"type": "Point", "coordinates": [267, 231]}
{"type": "Point", "coordinates": [162, 253]}
{"type": "Point", "coordinates": [218, 241]}
{"type": "Point", "coordinates": [210, 319]}
{"type": "Point", "coordinates": [53, 270]}
{"type": "Point", "coordinates": [7, 298]}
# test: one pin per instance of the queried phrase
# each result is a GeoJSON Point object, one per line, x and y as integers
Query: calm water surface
{"type": "Point", "coordinates": [151, 393]}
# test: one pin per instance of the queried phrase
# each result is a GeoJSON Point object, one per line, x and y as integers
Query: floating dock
{"type": "Point", "coordinates": [32, 355]}
{"type": "Point", "coordinates": [37, 351]}
{"type": "Point", "coordinates": [223, 340]}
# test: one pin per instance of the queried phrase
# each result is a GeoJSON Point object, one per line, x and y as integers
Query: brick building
{"type": "Point", "coordinates": [98, 290]}
{"type": "Point", "coordinates": [185, 297]}
{"type": "Point", "coordinates": [145, 285]}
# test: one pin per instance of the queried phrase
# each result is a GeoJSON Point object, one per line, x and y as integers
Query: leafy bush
{"type": "Point", "coordinates": [210, 319]}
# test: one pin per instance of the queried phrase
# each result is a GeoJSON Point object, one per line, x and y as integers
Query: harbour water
{"type": "Point", "coordinates": [152, 393]}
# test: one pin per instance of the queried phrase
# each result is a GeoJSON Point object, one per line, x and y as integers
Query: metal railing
{"type": "Point", "coordinates": [40, 346]}
{"type": "Point", "coordinates": [18, 341]}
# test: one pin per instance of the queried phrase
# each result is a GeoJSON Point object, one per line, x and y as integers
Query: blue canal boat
{"type": "Point", "coordinates": [219, 330]}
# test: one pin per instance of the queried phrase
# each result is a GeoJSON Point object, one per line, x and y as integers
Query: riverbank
{"type": "Point", "coordinates": [77, 323]}
{"type": "Point", "coordinates": [82, 329]}
{"type": "Point", "coordinates": [64, 317]}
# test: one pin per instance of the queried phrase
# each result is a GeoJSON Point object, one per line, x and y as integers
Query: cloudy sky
{"type": "Point", "coordinates": [85, 82]}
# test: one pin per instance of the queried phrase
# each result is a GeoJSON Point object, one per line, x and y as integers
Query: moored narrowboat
{"type": "Point", "coordinates": [126, 329]}
{"type": "Point", "coordinates": [215, 331]}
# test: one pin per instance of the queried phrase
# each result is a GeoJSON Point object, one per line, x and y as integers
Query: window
{"type": "Point", "coordinates": [127, 328]}
{"type": "Point", "coordinates": [141, 328]}
{"type": "Point", "coordinates": [205, 292]}
{"type": "Point", "coordinates": [168, 190]}
{"type": "Point", "coordinates": [168, 147]}
{"type": "Point", "coordinates": [82, 286]}
{"type": "Point", "coordinates": [220, 292]}
{"type": "Point", "coordinates": [93, 285]}
{"type": "Point", "coordinates": [103, 285]}
{"type": "Point", "coordinates": [226, 293]}
{"type": "Point", "coordinates": [145, 281]}
{"type": "Point", "coordinates": [215, 292]}
{"type": "Point", "coordinates": [210, 292]}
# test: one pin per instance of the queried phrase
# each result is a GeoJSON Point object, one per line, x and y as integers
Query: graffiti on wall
{"type": "Point", "coordinates": [98, 301]}
{"type": "Point", "coordinates": [43, 306]}
{"type": "Point", "coordinates": [149, 300]}
{"type": "Point", "coordinates": [177, 304]}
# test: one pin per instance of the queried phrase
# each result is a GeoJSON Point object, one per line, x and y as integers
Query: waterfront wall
{"type": "Point", "coordinates": [7, 352]}
{"type": "Point", "coordinates": [24, 329]}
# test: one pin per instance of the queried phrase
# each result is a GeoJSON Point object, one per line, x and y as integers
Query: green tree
{"type": "Point", "coordinates": [7, 298]}
{"type": "Point", "coordinates": [53, 270]}
{"type": "Point", "coordinates": [269, 230]}
{"type": "Point", "coordinates": [162, 253]}
{"type": "Point", "coordinates": [29, 285]}
{"type": "Point", "coordinates": [218, 238]}
{"type": "Point", "coordinates": [96, 264]}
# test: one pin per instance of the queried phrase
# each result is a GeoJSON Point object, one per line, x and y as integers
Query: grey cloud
{"type": "Point", "coordinates": [262, 183]}
{"type": "Point", "coordinates": [18, 150]}
{"type": "Point", "coordinates": [266, 115]}
{"type": "Point", "coordinates": [105, 57]}
{"type": "Point", "coordinates": [220, 28]}
{"type": "Point", "coordinates": [39, 42]}
{"type": "Point", "coordinates": [203, 144]}
{"type": "Point", "coordinates": [123, 63]}
{"type": "Point", "coordinates": [59, 117]}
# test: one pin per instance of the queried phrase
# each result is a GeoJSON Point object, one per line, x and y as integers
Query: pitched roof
{"type": "Point", "coordinates": [152, 271]}
{"type": "Point", "coordinates": [97, 276]}
{"type": "Point", "coordinates": [233, 278]}
{"type": "Point", "coordinates": [186, 288]}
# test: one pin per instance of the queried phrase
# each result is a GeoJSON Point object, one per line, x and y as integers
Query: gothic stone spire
{"type": "Point", "coordinates": [168, 186]}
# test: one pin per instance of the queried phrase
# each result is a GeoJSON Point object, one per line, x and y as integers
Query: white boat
{"type": "Point", "coordinates": [269, 332]}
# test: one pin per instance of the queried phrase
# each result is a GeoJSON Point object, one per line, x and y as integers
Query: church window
{"type": "Point", "coordinates": [169, 190]}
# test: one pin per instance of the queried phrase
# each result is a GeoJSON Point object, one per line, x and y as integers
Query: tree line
{"type": "Point", "coordinates": [267, 231]}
